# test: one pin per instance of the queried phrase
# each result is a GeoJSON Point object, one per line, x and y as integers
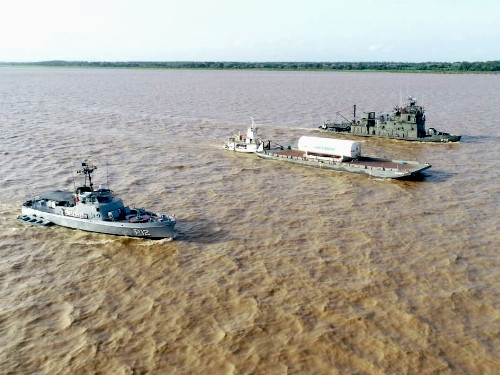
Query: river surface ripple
{"type": "Point", "coordinates": [278, 269]}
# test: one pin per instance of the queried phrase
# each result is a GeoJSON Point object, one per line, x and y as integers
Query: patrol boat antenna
{"type": "Point", "coordinates": [87, 170]}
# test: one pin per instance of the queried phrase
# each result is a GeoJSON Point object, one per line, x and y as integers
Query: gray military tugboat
{"type": "Point", "coordinates": [95, 211]}
{"type": "Point", "coordinates": [406, 123]}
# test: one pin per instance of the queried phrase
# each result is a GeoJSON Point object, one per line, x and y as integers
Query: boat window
{"type": "Point", "coordinates": [83, 189]}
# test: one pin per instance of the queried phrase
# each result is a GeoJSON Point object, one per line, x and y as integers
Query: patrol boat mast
{"type": "Point", "coordinates": [87, 171]}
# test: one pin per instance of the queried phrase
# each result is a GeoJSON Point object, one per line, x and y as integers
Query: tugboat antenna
{"type": "Point", "coordinates": [31, 193]}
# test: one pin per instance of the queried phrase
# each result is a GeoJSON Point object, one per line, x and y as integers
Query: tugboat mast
{"type": "Point", "coordinates": [87, 170]}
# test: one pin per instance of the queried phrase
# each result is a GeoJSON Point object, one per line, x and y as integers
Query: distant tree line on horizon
{"type": "Point", "coordinates": [464, 66]}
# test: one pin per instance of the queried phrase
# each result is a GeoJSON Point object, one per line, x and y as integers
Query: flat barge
{"type": "Point", "coordinates": [351, 162]}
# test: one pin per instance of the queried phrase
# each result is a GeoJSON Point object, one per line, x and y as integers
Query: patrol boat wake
{"type": "Point", "coordinates": [95, 211]}
{"type": "Point", "coordinates": [404, 122]}
{"type": "Point", "coordinates": [343, 155]}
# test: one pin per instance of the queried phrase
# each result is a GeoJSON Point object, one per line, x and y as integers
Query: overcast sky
{"type": "Point", "coordinates": [255, 30]}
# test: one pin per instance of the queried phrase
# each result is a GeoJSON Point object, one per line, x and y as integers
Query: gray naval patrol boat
{"type": "Point", "coordinates": [95, 211]}
{"type": "Point", "coordinates": [405, 122]}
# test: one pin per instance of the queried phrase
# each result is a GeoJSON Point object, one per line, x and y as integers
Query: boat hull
{"type": "Point", "coordinates": [373, 167]}
{"type": "Point", "coordinates": [151, 230]}
{"type": "Point", "coordinates": [441, 138]}
{"type": "Point", "coordinates": [247, 148]}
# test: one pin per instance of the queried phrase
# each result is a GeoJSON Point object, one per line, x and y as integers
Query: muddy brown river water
{"type": "Point", "coordinates": [277, 268]}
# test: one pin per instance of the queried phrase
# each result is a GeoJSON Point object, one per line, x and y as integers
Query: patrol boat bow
{"type": "Point", "coordinates": [95, 211]}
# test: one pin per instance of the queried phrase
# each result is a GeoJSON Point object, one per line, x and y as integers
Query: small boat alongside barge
{"type": "Point", "coordinates": [248, 143]}
{"type": "Point", "coordinates": [344, 156]}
